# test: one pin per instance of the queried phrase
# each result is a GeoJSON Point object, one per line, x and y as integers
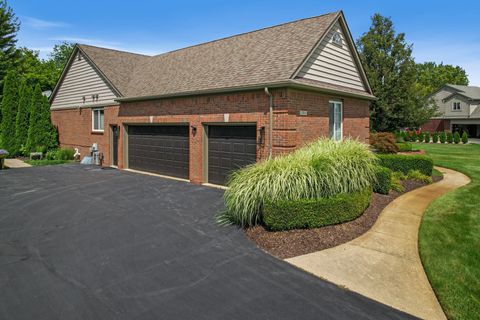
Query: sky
{"type": "Point", "coordinates": [440, 31]}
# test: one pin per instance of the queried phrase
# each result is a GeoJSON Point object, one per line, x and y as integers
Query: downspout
{"type": "Point", "coordinates": [270, 125]}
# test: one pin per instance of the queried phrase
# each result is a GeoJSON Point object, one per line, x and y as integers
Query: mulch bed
{"type": "Point", "coordinates": [291, 243]}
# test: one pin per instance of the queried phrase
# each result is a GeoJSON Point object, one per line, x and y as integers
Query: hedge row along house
{"type": "Point", "coordinates": [200, 112]}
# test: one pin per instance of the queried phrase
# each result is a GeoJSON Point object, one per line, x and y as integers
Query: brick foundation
{"type": "Point", "coordinates": [290, 130]}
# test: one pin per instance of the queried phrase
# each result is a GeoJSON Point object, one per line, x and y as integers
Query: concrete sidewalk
{"type": "Point", "coordinates": [16, 163]}
{"type": "Point", "coordinates": [384, 263]}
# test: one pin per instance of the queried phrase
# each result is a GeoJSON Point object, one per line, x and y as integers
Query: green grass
{"type": "Point", "coordinates": [46, 162]}
{"type": "Point", "coordinates": [449, 238]}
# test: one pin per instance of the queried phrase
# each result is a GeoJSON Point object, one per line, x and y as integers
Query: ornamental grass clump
{"type": "Point", "coordinates": [323, 168]}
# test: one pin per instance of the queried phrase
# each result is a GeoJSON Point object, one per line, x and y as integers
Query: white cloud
{"type": "Point", "coordinates": [36, 23]}
{"type": "Point", "coordinates": [90, 41]}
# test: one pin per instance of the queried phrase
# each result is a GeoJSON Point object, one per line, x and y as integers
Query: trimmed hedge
{"type": "Point", "coordinates": [313, 213]}
{"type": "Point", "coordinates": [404, 146]}
{"type": "Point", "coordinates": [383, 182]}
{"type": "Point", "coordinates": [405, 163]}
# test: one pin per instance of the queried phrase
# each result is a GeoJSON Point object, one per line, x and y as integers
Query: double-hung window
{"type": "Point", "coordinates": [335, 119]}
{"type": "Point", "coordinates": [456, 106]}
{"type": "Point", "coordinates": [97, 120]}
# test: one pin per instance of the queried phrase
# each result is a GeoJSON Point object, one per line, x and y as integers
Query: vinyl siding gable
{"type": "Point", "coordinates": [333, 63]}
{"type": "Point", "coordinates": [82, 80]}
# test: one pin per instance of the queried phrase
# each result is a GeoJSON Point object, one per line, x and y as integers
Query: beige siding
{"type": "Point", "coordinates": [332, 63]}
{"type": "Point", "coordinates": [81, 80]}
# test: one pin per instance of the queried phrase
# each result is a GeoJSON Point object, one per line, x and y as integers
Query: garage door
{"type": "Point", "coordinates": [229, 148]}
{"type": "Point", "coordinates": [159, 149]}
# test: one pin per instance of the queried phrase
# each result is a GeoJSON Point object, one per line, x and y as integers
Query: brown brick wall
{"type": "Point", "coordinates": [289, 129]}
{"type": "Point", "coordinates": [433, 125]}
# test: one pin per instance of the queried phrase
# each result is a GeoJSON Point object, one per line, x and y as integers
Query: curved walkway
{"type": "Point", "coordinates": [384, 263]}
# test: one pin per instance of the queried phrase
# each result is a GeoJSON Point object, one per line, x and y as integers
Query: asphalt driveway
{"type": "Point", "coordinates": [85, 243]}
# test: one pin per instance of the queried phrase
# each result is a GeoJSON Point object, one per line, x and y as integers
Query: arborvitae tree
{"type": "Point", "coordinates": [391, 71]}
{"type": "Point", "coordinates": [23, 117]}
{"type": "Point", "coordinates": [41, 132]}
{"type": "Point", "coordinates": [465, 137]}
{"type": "Point", "coordinates": [449, 137]}
{"type": "Point", "coordinates": [9, 27]}
{"type": "Point", "coordinates": [9, 112]}
{"type": "Point", "coordinates": [456, 137]}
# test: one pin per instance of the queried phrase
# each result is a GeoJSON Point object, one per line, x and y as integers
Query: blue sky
{"type": "Point", "coordinates": [439, 30]}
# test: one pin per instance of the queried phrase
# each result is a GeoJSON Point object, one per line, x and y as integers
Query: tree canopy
{"type": "Point", "coordinates": [432, 76]}
{"type": "Point", "coordinates": [391, 70]}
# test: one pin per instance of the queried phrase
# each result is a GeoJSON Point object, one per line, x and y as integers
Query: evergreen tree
{"type": "Point", "coordinates": [9, 112]}
{"type": "Point", "coordinates": [9, 27]}
{"type": "Point", "coordinates": [41, 132]}
{"type": "Point", "coordinates": [23, 117]}
{"type": "Point", "coordinates": [391, 70]}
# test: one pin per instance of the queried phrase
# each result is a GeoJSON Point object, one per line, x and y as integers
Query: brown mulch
{"type": "Point", "coordinates": [291, 243]}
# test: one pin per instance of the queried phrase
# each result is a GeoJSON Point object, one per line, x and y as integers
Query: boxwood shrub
{"type": "Point", "coordinates": [313, 213]}
{"type": "Point", "coordinates": [404, 146]}
{"type": "Point", "coordinates": [405, 163]}
{"type": "Point", "coordinates": [383, 182]}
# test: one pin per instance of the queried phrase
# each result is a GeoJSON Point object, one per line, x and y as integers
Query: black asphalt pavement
{"type": "Point", "coordinates": [81, 242]}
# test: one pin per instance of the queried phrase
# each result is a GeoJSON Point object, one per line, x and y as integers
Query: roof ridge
{"type": "Point", "coordinates": [116, 50]}
{"type": "Point", "coordinates": [247, 32]}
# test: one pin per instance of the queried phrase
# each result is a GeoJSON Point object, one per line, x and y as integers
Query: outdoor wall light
{"type": "Point", "coordinates": [194, 130]}
{"type": "Point", "coordinates": [261, 135]}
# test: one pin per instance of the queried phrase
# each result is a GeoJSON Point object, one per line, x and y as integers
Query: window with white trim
{"type": "Point", "coordinates": [335, 120]}
{"type": "Point", "coordinates": [456, 106]}
{"type": "Point", "coordinates": [337, 39]}
{"type": "Point", "coordinates": [97, 120]}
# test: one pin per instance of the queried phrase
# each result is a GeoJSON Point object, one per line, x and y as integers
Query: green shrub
{"type": "Point", "coordinates": [396, 182]}
{"type": "Point", "coordinates": [449, 137]}
{"type": "Point", "coordinates": [426, 137]}
{"type": "Point", "coordinates": [421, 137]}
{"type": "Point", "coordinates": [60, 154]}
{"type": "Point", "coordinates": [404, 147]}
{"type": "Point", "coordinates": [313, 213]}
{"type": "Point", "coordinates": [405, 163]}
{"type": "Point", "coordinates": [435, 137]}
{"type": "Point", "coordinates": [413, 136]}
{"type": "Point", "coordinates": [398, 136]}
{"type": "Point", "coordinates": [418, 176]}
{"type": "Point", "coordinates": [383, 142]}
{"type": "Point", "coordinates": [321, 169]}
{"type": "Point", "coordinates": [405, 136]}
{"type": "Point", "coordinates": [443, 137]}
{"type": "Point", "coordinates": [456, 137]}
{"type": "Point", "coordinates": [383, 181]}
{"type": "Point", "coordinates": [464, 137]}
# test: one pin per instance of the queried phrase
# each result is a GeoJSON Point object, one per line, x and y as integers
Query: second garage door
{"type": "Point", "coordinates": [159, 149]}
{"type": "Point", "coordinates": [229, 148]}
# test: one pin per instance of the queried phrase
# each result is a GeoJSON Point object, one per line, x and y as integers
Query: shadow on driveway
{"type": "Point", "coordinates": [85, 243]}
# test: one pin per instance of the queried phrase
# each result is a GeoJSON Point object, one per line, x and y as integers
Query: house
{"type": "Point", "coordinates": [458, 108]}
{"type": "Point", "coordinates": [198, 113]}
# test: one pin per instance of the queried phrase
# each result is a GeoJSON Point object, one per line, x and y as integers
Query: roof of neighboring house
{"type": "Point", "coordinates": [263, 57]}
{"type": "Point", "coordinates": [470, 92]}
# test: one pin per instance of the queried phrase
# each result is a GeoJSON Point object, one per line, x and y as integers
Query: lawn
{"type": "Point", "coordinates": [449, 238]}
{"type": "Point", "coordinates": [46, 162]}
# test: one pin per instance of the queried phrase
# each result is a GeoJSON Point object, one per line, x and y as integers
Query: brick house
{"type": "Point", "coordinates": [198, 113]}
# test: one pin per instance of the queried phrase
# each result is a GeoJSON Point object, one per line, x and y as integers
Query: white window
{"type": "Point", "coordinates": [456, 106]}
{"type": "Point", "coordinates": [336, 120]}
{"type": "Point", "coordinates": [97, 120]}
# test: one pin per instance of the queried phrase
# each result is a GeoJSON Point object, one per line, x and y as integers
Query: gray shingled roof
{"type": "Point", "coordinates": [468, 91]}
{"type": "Point", "coordinates": [259, 57]}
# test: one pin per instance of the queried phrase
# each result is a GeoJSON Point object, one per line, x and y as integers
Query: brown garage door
{"type": "Point", "coordinates": [229, 148]}
{"type": "Point", "coordinates": [159, 149]}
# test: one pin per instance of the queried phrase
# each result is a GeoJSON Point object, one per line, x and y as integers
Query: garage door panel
{"type": "Point", "coordinates": [229, 148]}
{"type": "Point", "coordinates": [159, 149]}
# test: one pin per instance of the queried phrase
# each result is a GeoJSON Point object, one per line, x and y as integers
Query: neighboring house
{"type": "Point", "coordinates": [198, 113]}
{"type": "Point", "coordinates": [459, 110]}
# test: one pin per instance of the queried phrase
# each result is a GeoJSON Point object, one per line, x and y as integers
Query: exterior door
{"type": "Point", "coordinates": [115, 134]}
{"type": "Point", "coordinates": [230, 148]}
{"type": "Point", "coordinates": [161, 149]}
